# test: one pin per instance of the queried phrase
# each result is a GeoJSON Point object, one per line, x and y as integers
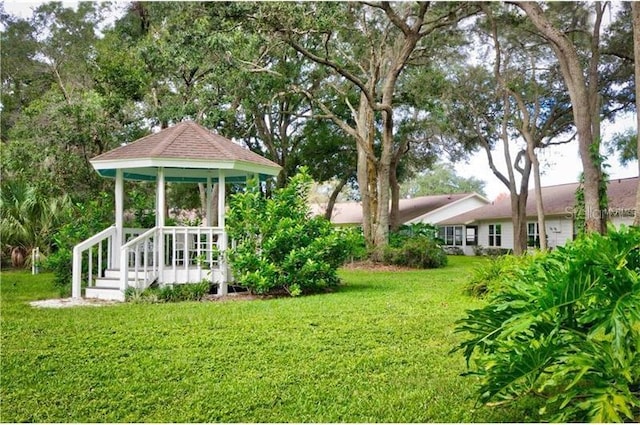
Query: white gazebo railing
{"type": "Point", "coordinates": [167, 255]}
{"type": "Point", "coordinates": [100, 244]}
{"type": "Point", "coordinates": [173, 254]}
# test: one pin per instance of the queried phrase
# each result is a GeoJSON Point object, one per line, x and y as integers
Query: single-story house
{"type": "Point", "coordinates": [422, 209]}
{"type": "Point", "coordinates": [490, 225]}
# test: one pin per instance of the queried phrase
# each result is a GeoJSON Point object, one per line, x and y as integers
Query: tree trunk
{"type": "Point", "coordinates": [572, 72]}
{"type": "Point", "coordinates": [542, 225]}
{"type": "Point", "coordinates": [366, 170]}
{"type": "Point", "coordinates": [635, 11]}
{"type": "Point", "coordinates": [334, 196]}
{"type": "Point", "coordinates": [394, 215]}
{"type": "Point", "coordinates": [519, 221]}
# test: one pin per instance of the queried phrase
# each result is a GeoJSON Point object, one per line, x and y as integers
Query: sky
{"type": "Point", "coordinates": [559, 164]}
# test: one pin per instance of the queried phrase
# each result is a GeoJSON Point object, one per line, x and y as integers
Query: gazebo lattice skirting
{"type": "Point", "coordinates": [118, 258]}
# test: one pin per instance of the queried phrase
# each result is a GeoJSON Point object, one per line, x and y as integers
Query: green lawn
{"type": "Point", "coordinates": [376, 350]}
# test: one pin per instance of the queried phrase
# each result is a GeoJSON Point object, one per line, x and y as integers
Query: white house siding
{"type": "Point", "coordinates": [451, 210]}
{"type": "Point", "coordinates": [559, 231]}
{"type": "Point", "coordinates": [507, 233]}
{"type": "Point", "coordinates": [626, 220]}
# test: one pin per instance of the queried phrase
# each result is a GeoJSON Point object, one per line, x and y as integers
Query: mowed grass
{"type": "Point", "coordinates": [376, 350]}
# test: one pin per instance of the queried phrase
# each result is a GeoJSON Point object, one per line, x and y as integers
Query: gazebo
{"type": "Point", "coordinates": [118, 258]}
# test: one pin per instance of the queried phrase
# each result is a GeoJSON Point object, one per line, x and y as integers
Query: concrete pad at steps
{"type": "Point", "coordinates": [71, 302]}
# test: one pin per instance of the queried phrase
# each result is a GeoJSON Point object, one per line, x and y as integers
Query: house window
{"type": "Point", "coordinates": [451, 235]}
{"type": "Point", "coordinates": [495, 235]}
{"type": "Point", "coordinates": [471, 235]}
{"type": "Point", "coordinates": [533, 236]}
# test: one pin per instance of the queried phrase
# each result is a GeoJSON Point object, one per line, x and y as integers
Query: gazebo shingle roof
{"type": "Point", "coordinates": [186, 140]}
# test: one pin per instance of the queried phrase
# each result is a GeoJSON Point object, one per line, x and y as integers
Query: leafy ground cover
{"type": "Point", "coordinates": [375, 350]}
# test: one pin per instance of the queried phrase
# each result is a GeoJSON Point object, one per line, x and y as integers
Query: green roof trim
{"type": "Point", "coordinates": [111, 173]}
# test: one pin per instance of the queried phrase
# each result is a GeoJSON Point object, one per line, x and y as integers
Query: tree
{"type": "Point", "coordinates": [542, 111]}
{"type": "Point", "coordinates": [367, 47]}
{"type": "Point", "coordinates": [440, 179]}
{"type": "Point", "coordinates": [70, 120]}
{"type": "Point", "coordinates": [583, 91]}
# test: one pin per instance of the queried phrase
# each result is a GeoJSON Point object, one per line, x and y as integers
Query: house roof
{"type": "Point", "coordinates": [184, 146]}
{"type": "Point", "coordinates": [351, 212]}
{"type": "Point", "coordinates": [557, 200]}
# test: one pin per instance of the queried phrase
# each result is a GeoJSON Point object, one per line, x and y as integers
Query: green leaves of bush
{"type": "Point", "coordinates": [415, 246]}
{"type": "Point", "coordinates": [278, 244]}
{"type": "Point", "coordinates": [566, 327]}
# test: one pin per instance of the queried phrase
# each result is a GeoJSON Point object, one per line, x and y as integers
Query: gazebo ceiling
{"type": "Point", "coordinates": [188, 153]}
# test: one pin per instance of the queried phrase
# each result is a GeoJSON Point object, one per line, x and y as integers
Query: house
{"type": "Point", "coordinates": [118, 258]}
{"type": "Point", "coordinates": [423, 209]}
{"type": "Point", "coordinates": [490, 225]}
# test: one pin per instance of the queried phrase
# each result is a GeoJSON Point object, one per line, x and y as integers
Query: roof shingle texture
{"type": "Point", "coordinates": [351, 212]}
{"type": "Point", "coordinates": [186, 140]}
{"type": "Point", "coordinates": [557, 200]}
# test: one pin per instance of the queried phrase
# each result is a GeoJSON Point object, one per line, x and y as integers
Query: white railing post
{"type": "Point", "coordinates": [76, 282]}
{"type": "Point", "coordinates": [124, 267]}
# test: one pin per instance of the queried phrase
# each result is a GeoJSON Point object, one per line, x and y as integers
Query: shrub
{"type": "Point", "coordinates": [279, 246]}
{"type": "Point", "coordinates": [491, 251]}
{"type": "Point", "coordinates": [409, 231]}
{"type": "Point", "coordinates": [418, 252]}
{"type": "Point", "coordinates": [453, 250]}
{"type": "Point", "coordinates": [567, 328]}
{"type": "Point", "coordinates": [489, 278]}
{"type": "Point", "coordinates": [81, 222]}
{"type": "Point", "coordinates": [415, 246]}
{"type": "Point", "coordinates": [169, 293]}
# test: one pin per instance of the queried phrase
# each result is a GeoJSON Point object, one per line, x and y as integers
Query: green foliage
{"type": "Point", "coordinates": [409, 231]}
{"type": "Point", "coordinates": [416, 246]}
{"type": "Point", "coordinates": [440, 179]}
{"type": "Point", "coordinates": [580, 212]}
{"type": "Point", "coordinates": [491, 251]}
{"type": "Point", "coordinates": [143, 206]}
{"type": "Point", "coordinates": [169, 293]}
{"type": "Point", "coordinates": [279, 246]}
{"type": "Point", "coordinates": [29, 218]}
{"type": "Point", "coordinates": [625, 144]}
{"type": "Point", "coordinates": [419, 252]}
{"type": "Point", "coordinates": [490, 277]}
{"type": "Point", "coordinates": [566, 327]}
{"type": "Point", "coordinates": [81, 222]}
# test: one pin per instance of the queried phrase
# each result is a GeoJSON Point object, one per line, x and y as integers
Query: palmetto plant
{"type": "Point", "coordinates": [567, 328]}
{"type": "Point", "coordinates": [28, 219]}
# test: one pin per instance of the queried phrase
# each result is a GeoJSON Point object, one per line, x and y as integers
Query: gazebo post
{"type": "Point", "coordinates": [116, 243]}
{"type": "Point", "coordinates": [160, 208]}
{"type": "Point", "coordinates": [222, 244]}
{"type": "Point", "coordinates": [208, 201]}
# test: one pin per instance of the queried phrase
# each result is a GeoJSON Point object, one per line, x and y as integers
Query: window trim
{"type": "Point", "coordinates": [449, 236]}
{"type": "Point", "coordinates": [533, 239]}
{"type": "Point", "coordinates": [474, 240]}
{"type": "Point", "coordinates": [495, 235]}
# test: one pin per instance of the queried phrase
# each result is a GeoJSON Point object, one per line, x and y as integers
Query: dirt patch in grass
{"type": "Point", "coordinates": [71, 302]}
{"type": "Point", "coordinates": [369, 265]}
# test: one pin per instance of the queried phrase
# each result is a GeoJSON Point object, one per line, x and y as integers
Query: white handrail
{"type": "Point", "coordinates": [79, 249]}
{"type": "Point", "coordinates": [144, 238]}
